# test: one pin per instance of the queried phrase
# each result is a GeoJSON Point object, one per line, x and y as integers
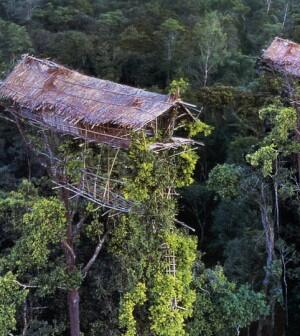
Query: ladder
{"type": "Point", "coordinates": [170, 258]}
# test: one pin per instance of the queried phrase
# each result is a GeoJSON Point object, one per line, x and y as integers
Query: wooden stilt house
{"type": "Point", "coordinates": [98, 110]}
{"type": "Point", "coordinates": [282, 56]}
{"type": "Point", "coordinates": [62, 101]}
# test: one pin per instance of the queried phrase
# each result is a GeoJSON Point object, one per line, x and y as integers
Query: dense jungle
{"type": "Point", "coordinates": [239, 266]}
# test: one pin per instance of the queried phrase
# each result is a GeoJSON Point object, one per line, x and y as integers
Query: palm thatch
{"type": "Point", "coordinates": [283, 56]}
{"type": "Point", "coordinates": [47, 88]}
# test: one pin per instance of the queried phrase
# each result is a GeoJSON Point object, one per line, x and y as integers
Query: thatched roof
{"type": "Point", "coordinates": [44, 86]}
{"type": "Point", "coordinates": [283, 56]}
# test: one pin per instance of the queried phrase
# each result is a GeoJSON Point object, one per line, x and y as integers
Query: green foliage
{"type": "Point", "coordinates": [279, 141]}
{"type": "Point", "coordinates": [40, 327]}
{"type": "Point", "coordinates": [172, 25]}
{"type": "Point", "coordinates": [217, 96]}
{"type": "Point", "coordinates": [44, 225]}
{"type": "Point", "coordinates": [264, 156]}
{"type": "Point", "coordinates": [11, 296]}
{"type": "Point", "coordinates": [225, 180]}
{"type": "Point", "coordinates": [130, 300]}
{"type": "Point", "coordinates": [140, 240]}
{"type": "Point", "coordinates": [147, 44]}
{"type": "Point", "coordinates": [14, 40]}
{"type": "Point", "coordinates": [140, 187]}
{"type": "Point", "coordinates": [152, 175]}
{"type": "Point", "coordinates": [15, 204]}
{"type": "Point", "coordinates": [41, 224]}
{"type": "Point", "coordinates": [197, 127]}
{"type": "Point", "coordinates": [283, 121]}
{"type": "Point", "coordinates": [94, 229]}
{"type": "Point", "coordinates": [186, 166]}
{"type": "Point", "coordinates": [178, 87]}
{"type": "Point", "coordinates": [222, 308]}
{"type": "Point", "coordinates": [167, 321]}
{"type": "Point", "coordinates": [55, 276]}
{"type": "Point", "coordinates": [211, 44]}
{"type": "Point", "coordinates": [75, 48]}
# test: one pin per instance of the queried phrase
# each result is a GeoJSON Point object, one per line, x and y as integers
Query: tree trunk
{"type": "Point", "coordinates": [268, 227]}
{"type": "Point", "coordinates": [260, 327]}
{"type": "Point", "coordinates": [264, 326]}
{"type": "Point", "coordinates": [298, 139]}
{"type": "Point", "coordinates": [269, 2]}
{"type": "Point", "coordinates": [73, 294]}
{"type": "Point", "coordinates": [74, 317]}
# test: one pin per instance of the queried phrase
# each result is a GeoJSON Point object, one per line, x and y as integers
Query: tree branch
{"type": "Point", "coordinates": [69, 248]}
{"type": "Point", "coordinates": [24, 286]}
{"type": "Point", "coordinates": [98, 248]}
{"type": "Point", "coordinates": [25, 319]}
{"type": "Point", "coordinates": [78, 226]}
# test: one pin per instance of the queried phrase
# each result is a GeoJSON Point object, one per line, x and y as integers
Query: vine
{"type": "Point", "coordinates": [139, 238]}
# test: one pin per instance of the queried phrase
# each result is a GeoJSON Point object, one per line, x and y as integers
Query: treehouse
{"type": "Point", "coordinates": [48, 94]}
{"type": "Point", "coordinates": [58, 100]}
{"type": "Point", "coordinates": [283, 56]}
{"type": "Point", "coordinates": [61, 101]}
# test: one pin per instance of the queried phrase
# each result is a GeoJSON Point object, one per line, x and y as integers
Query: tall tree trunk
{"type": "Point", "coordinates": [73, 299]}
{"type": "Point", "coordinates": [268, 227]}
{"type": "Point", "coordinates": [74, 314]}
{"type": "Point", "coordinates": [73, 293]}
{"type": "Point", "coordinates": [269, 2]}
{"type": "Point", "coordinates": [298, 139]}
{"type": "Point", "coordinates": [260, 327]}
